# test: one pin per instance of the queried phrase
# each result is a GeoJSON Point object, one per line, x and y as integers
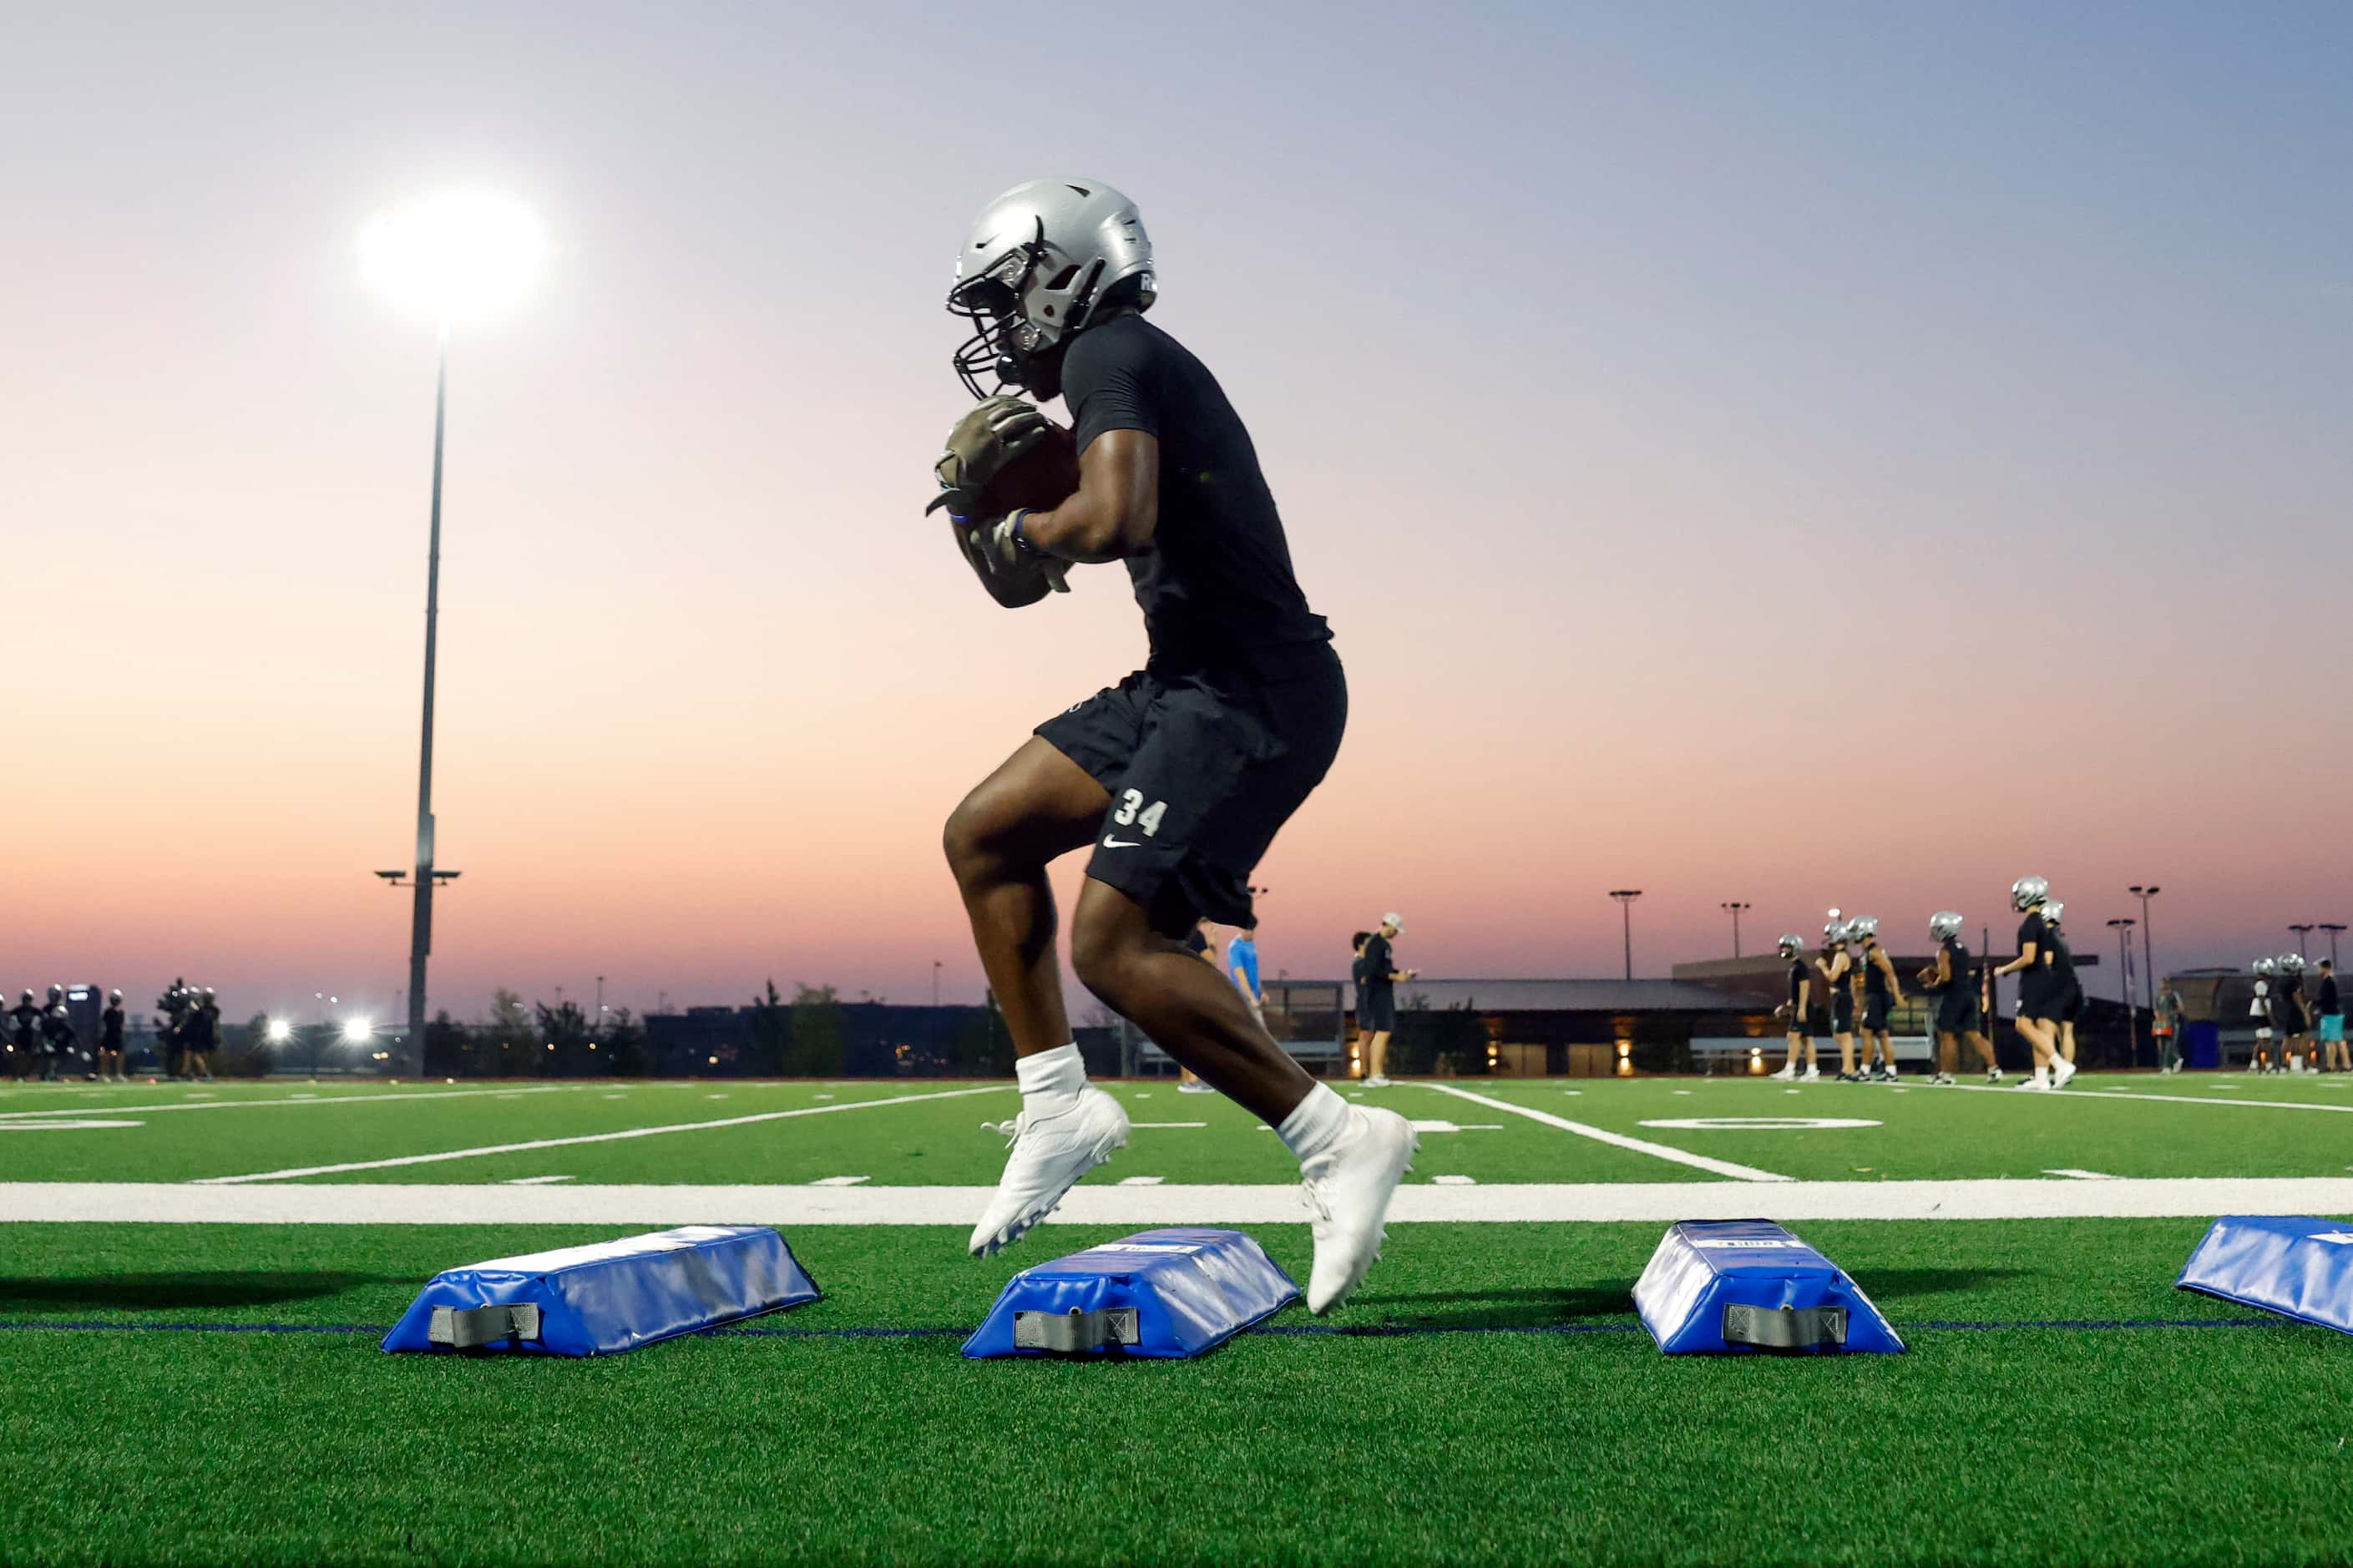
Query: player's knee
{"type": "Point", "coordinates": [1102, 954]}
{"type": "Point", "coordinates": [972, 837]}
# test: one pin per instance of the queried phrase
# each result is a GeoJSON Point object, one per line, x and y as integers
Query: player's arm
{"type": "Point", "coordinates": [2029, 954]}
{"type": "Point", "coordinates": [1887, 968]}
{"type": "Point", "coordinates": [1116, 508]}
{"type": "Point", "coordinates": [1805, 995]}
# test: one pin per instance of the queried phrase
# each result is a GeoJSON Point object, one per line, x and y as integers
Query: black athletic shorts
{"type": "Point", "coordinates": [1203, 767]}
{"type": "Point", "coordinates": [1874, 1016]}
{"type": "Point", "coordinates": [1957, 1014]}
{"type": "Point", "coordinates": [1377, 1010]}
{"type": "Point", "coordinates": [2071, 1005]}
{"type": "Point", "coordinates": [2038, 998]}
{"type": "Point", "coordinates": [1841, 1015]}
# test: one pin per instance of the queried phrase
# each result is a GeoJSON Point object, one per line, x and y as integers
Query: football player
{"type": "Point", "coordinates": [2038, 1001]}
{"type": "Point", "coordinates": [1882, 994]}
{"type": "Point", "coordinates": [1792, 950]}
{"type": "Point", "coordinates": [2068, 987]}
{"type": "Point", "coordinates": [1955, 987]}
{"type": "Point", "coordinates": [1837, 972]}
{"type": "Point", "coordinates": [1178, 778]}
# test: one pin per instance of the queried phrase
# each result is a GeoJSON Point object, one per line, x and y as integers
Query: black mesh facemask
{"type": "Point", "coordinates": [1002, 339]}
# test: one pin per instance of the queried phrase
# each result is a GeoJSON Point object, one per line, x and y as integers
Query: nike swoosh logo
{"type": "Point", "coordinates": [1122, 843]}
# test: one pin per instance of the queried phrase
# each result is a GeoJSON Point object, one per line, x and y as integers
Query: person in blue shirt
{"type": "Point", "coordinates": [1241, 963]}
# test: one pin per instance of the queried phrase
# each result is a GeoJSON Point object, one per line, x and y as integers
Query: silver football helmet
{"type": "Point", "coordinates": [2266, 966]}
{"type": "Point", "coordinates": [2291, 964]}
{"type": "Point", "coordinates": [2054, 912]}
{"type": "Point", "coordinates": [1835, 934]}
{"type": "Point", "coordinates": [1036, 263]}
{"type": "Point", "coordinates": [2027, 892]}
{"type": "Point", "coordinates": [1862, 928]}
{"type": "Point", "coordinates": [57, 993]}
{"type": "Point", "coordinates": [1944, 925]}
{"type": "Point", "coordinates": [114, 995]}
{"type": "Point", "coordinates": [1791, 946]}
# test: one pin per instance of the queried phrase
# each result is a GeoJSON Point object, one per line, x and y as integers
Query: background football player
{"type": "Point", "coordinates": [1179, 775]}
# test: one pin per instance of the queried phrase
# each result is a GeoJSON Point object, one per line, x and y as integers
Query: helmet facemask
{"type": "Point", "coordinates": [1020, 306]}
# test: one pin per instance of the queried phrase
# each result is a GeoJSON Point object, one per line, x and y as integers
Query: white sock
{"type": "Point", "coordinates": [1316, 1124]}
{"type": "Point", "coordinates": [1058, 1074]}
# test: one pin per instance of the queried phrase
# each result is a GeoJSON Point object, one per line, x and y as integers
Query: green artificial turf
{"type": "Point", "coordinates": [1453, 1444]}
{"type": "Point", "coordinates": [1488, 1398]}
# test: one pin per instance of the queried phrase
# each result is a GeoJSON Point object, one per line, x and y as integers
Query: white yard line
{"type": "Point", "coordinates": [297, 1171]}
{"type": "Point", "coordinates": [2074, 1174]}
{"type": "Point", "coordinates": [1616, 1139]}
{"type": "Point", "coordinates": [306, 1099]}
{"type": "Point", "coordinates": [2139, 1099]}
{"type": "Point", "coordinates": [536, 1180]}
{"type": "Point", "coordinates": [1104, 1204]}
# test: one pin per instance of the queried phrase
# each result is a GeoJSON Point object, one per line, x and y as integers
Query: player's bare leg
{"type": "Point", "coordinates": [1377, 1058]}
{"type": "Point", "coordinates": [1984, 1048]}
{"type": "Point", "coordinates": [1036, 805]}
{"type": "Point", "coordinates": [1350, 1159]}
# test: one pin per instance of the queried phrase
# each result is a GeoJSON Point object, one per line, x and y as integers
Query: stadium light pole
{"type": "Point", "coordinates": [2332, 928]}
{"type": "Point", "coordinates": [1625, 897]}
{"type": "Point", "coordinates": [2301, 934]}
{"type": "Point", "coordinates": [2124, 929]}
{"type": "Point", "coordinates": [2147, 942]}
{"type": "Point", "coordinates": [1735, 909]}
{"type": "Point", "coordinates": [452, 257]}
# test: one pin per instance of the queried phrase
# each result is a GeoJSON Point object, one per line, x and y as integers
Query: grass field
{"type": "Point", "coordinates": [190, 1306]}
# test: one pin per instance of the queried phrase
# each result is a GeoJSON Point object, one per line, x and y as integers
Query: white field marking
{"type": "Point", "coordinates": [1090, 1203]}
{"type": "Point", "coordinates": [1421, 1126]}
{"type": "Point", "coordinates": [1684, 1091]}
{"type": "Point", "coordinates": [2080, 1175]}
{"type": "Point", "coordinates": [1140, 1181]}
{"type": "Point", "coordinates": [63, 1126]}
{"type": "Point", "coordinates": [715, 1096]}
{"type": "Point", "coordinates": [2176, 1099]}
{"type": "Point", "coordinates": [821, 1097]}
{"type": "Point", "coordinates": [1617, 1139]}
{"type": "Point", "coordinates": [1760, 1123]}
{"type": "Point", "coordinates": [617, 1096]}
{"type": "Point", "coordinates": [1454, 1180]}
{"type": "Point", "coordinates": [840, 1180]}
{"type": "Point", "coordinates": [300, 1171]}
{"type": "Point", "coordinates": [1145, 1095]}
{"type": "Point", "coordinates": [1167, 1124]}
{"type": "Point", "coordinates": [535, 1180]}
{"type": "Point", "coordinates": [299, 1100]}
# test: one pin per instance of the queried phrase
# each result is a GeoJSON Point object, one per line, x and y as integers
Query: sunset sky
{"type": "Point", "coordinates": [1808, 455]}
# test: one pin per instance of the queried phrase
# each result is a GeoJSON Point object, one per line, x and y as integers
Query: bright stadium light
{"type": "Point", "coordinates": [453, 255]}
{"type": "Point", "coordinates": [356, 1030]}
{"type": "Point", "coordinates": [279, 1031]}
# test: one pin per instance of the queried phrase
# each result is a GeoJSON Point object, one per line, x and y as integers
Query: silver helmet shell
{"type": "Point", "coordinates": [1836, 934]}
{"type": "Point", "coordinates": [1862, 928]}
{"type": "Point", "coordinates": [2027, 892]}
{"type": "Point", "coordinates": [1791, 946]}
{"type": "Point", "coordinates": [2266, 966]}
{"type": "Point", "coordinates": [1944, 925]}
{"type": "Point", "coordinates": [2054, 911]}
{"type": "Point", "coordinates": [57, 993]}
{"type": "Point", "coordinates": [2291, 964]}
{"type": "Point", "coordinates": [1034, 266]}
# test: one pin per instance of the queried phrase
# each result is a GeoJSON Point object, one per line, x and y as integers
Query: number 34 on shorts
{"type": "Point", "coordinates": [1133, 813]}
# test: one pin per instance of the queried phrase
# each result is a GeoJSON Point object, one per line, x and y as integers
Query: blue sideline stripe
{"type": "Point", "coordinates": [1343, 1330]}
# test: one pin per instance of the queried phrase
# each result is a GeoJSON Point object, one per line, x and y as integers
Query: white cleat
{"type": "Point", "coordinates": [1811, 1074]}
{"type": "Point", "coordinates": [1050, 1154]}
{"type": "Point", "coordinates": [1378, 1080]}
{"type": "Point", "coordinates": [1786, 1075]}
{"type": "Point", "coordinates": [2063, 1072]}
{"type": "Point", "coordinates": [1349, 1186]}
{"type": "Point", "coordinates": [2042, 1084]}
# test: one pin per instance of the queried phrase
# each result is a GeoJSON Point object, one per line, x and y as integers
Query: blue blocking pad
{"type": "Point", "coordinates": [2300, 1268]}
{"type": "Point", "coordinates": [606, 1298]}
{"type": "Point", "coordinates": [1747, 1285]}
{"type": "Point", "coordinates": [1166, 1293]}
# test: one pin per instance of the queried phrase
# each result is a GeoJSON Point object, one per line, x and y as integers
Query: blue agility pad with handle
{"type": "Point", "coordinates": [605, 1298]}
{"type": "Point", "coordinates": [1747, 1285]}
{"type": "Point", "coordinates": [2300, 1268]}
{"type": "Point", "coordinates": [1163, 1293]}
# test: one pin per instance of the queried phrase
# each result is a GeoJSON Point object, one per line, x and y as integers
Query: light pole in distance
{"type": "Point", "coordinates": [1625, 897]}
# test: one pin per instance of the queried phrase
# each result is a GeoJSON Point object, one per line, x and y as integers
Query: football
{"type": "Point", "coordinates": [1040, 478]}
